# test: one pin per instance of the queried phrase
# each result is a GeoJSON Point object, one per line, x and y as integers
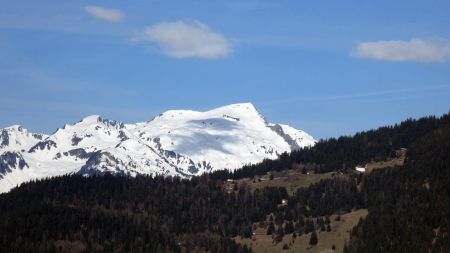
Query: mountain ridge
{"type": "Point", "coordinates": [174, 143]}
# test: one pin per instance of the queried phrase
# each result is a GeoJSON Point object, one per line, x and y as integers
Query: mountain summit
{"type": "Point", "coordinates": [175, 143]}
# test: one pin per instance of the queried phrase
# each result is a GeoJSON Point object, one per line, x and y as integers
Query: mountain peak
{"type": "Point", "coordinates": [238, 106]}
{"type": "Point", "coordinates": [233, 109]}
{"type": "Point", "coordinates": [17, 138]}
{"type": "Point", "coordinates": [15, 128]}
{"type": "Point", "coordinates": [245, 105]}
{"type": "Point", "coordinates": [243, 111]}
{"type": "Point", "coordinates": [90, 119]}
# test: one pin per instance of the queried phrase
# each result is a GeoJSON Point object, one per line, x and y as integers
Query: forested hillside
{"type": "Point", "coordinates": [409, 206]}
{"type": "Point", "coordinates": [143, 214]}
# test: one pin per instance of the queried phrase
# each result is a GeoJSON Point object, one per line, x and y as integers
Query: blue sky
{"type": "Point", "coordinates": [329, 68]}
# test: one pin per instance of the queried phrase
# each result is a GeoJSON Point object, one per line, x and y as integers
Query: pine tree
{"type": "Point", "coordinates": [270, 228]}
{"type": "Point", "coordinates": [322, 227]}
{"type": "Point", "coordinates": [279, 235]}
{"type": "Point", "coordinates": [309, 226]}
{"type": "Point", "coordinates": [313, 240]}
{"type": "Point", "coordinates": [289, 227]}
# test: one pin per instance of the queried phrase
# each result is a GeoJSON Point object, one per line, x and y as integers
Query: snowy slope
{"type": "Point", "coordinates": [17, 138]}
{"type": "Point", "coordinates": [177, 143]}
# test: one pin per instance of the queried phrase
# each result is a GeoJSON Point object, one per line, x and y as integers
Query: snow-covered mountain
{"type": "Point", "coordinates": [177, 142]}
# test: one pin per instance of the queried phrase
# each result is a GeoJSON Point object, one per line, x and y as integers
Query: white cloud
{"type": "Point", "coordinates": [110, 15]}
{"type": "Point", "coordinates": [418, 50]}
{"type": "Point", "coordinates": [186, 40]}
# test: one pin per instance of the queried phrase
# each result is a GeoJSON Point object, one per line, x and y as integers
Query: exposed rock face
{"type": "Point", "coordinates": [10, 161]}
{"type": "Point", "coordinates": [42, 145]}
{"type": "Point", "coordinates": [289, 139]}
{"type": "Point", "coordinates": [4, 138]}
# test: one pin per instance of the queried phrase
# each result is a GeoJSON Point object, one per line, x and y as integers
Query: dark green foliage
{"type": "Point", "coordinates": [409, 207]}
{"type": "Point", "coordinates": [327, 197]}
{"type": "Point", "coordinates": [324, 198]}
{"type": "Point", "coordinates": [142, 214]}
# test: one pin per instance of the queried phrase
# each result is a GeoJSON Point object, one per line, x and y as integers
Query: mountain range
{"type": "Point", "coordinates": [175, 143]}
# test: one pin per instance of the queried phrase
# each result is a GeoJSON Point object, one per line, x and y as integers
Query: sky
{"type": "Point", "coordinates": [330, 68]}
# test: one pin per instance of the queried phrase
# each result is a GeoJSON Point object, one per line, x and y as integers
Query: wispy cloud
{"type": "Point", "coordinates": [362, 95]}
{"type": "Point", "coordinates": [186, 40]}
{"type": "Point", "coordinates": [106, 14]}
{"type": "Point", "coordinates": [417, 50]}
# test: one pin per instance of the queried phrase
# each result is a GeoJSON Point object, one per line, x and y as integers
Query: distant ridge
{"type": "Point", "coordinates": [175, 143]}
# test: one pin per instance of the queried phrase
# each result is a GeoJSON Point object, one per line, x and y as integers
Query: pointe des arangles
{"type": "Point", "coordinates": [181, 143]}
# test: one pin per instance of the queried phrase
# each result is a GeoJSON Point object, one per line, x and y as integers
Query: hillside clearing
{"type": "Point", "coordinates": [290, 179]}
{"type": "Point", "coordinates": [340, 232]}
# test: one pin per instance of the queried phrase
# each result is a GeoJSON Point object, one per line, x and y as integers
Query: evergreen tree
{"type": "Point", "coordinates": [270, 228]}
{"type": "Point", "coordinates": [313, 240]}
{"type": "Point", "coordinates": [289, 227]}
